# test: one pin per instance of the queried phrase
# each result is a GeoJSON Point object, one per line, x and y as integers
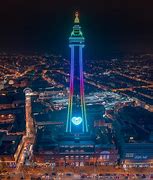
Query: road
{"type": "Point", "coordinates": [29, 138]}
{"type": "Point", "coordinates": [105, 171]}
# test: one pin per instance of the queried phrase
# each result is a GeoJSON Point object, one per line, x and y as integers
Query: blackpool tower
{"type": "Point", "coordinates": [76, 116]}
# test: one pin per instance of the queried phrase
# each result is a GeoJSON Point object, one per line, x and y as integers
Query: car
{"type": "Point", "coordinates": [151, 176]}
{"type": "Point", "coordinates": [68, 174]}
{"type": "Point", "coordinates": [100, 175]}
{"type": "Point", "coordinates": [83, 176]}
{"type": "Point", "coordinates": [143, 176]}
{"type": "Point", "coordinates": [53, 174]}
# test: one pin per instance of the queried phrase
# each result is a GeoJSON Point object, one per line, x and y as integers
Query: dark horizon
{"type": "Point", "coordinates": [107, 27]}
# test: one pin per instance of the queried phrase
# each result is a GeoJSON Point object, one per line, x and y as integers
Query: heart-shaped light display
{"type": "Point", "coordinates": [76, 120]}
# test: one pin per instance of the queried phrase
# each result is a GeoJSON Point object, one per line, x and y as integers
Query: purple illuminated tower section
{"type": "Point", "coordinates": [76, 116]}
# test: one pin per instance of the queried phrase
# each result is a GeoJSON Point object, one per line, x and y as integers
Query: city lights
{"type": "Point", "coordinates": [86, 114]}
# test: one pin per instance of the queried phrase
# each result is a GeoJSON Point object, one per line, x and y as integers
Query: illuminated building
{"type": "Point", "coordinates": [29, 120]}
{"type": "Point", "coordinates": [76, 146]}
{"type": "Point", "coordinates": [134, 139]}
{"type": "Point", "coordinates": [76, 105]}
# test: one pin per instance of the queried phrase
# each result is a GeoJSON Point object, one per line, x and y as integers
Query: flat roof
{"type": "Point", "coordinates": [136, 125]}
{"type": "Point", "coordinates": [9, 144]}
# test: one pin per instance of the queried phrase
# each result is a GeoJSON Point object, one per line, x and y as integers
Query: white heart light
{"type": "Point", "coordinates": [76, 120]}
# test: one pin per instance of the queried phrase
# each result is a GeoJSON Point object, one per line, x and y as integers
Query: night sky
{"type": "Point", "coordinates": [108, 26]}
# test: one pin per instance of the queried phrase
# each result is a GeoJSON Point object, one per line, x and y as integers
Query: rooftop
{"type": "Point", "coordinates": [9, 144]}
{"type": "Point", "coordinates": [136, 124]}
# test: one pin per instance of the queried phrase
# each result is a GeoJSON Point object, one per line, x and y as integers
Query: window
{"type": "Point", "coordinates": [128, 155]}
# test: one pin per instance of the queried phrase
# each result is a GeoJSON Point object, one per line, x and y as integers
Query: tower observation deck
{"type": "Point", "coordinates": [76, 116]}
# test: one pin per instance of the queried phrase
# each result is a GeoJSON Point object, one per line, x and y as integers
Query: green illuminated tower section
{"type": "Point", "coordinates": [76, 116]}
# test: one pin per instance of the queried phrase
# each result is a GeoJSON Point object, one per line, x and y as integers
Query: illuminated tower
{"type": "Point", "coordinates": [76, 116]}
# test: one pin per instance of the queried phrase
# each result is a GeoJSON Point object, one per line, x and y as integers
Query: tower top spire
{"type": "Point", "coordinates": [76, 20]}
{"type": "Point", "coordinates": [76, 34]}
